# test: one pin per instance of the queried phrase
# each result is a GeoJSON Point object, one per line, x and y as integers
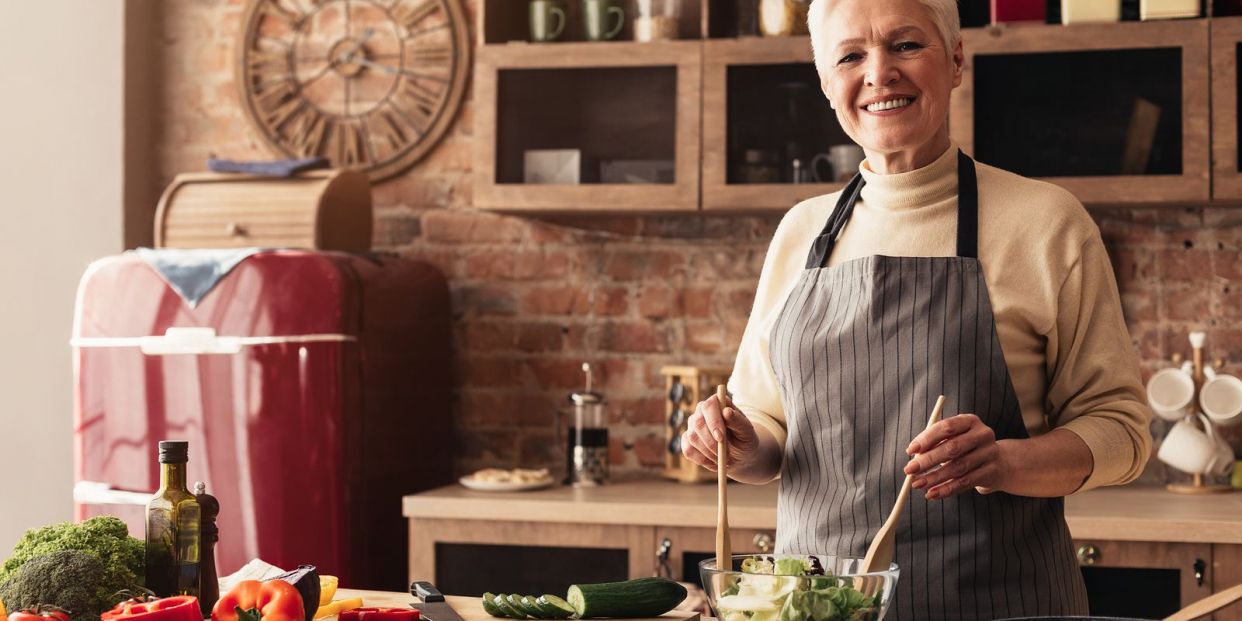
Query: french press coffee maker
{"type": "Point", "coordinates": [587, 442]}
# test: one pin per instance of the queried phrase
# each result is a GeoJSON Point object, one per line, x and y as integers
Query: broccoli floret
{"type": "Point", "coordinates": [69, 579]}
{"type": "Point", "coordinates": [107, 538]}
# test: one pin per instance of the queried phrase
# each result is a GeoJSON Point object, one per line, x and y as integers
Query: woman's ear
{"type": "Point", "coordinates": [959, 61]}
{"type": "Point", "coordinates": [823, 86]}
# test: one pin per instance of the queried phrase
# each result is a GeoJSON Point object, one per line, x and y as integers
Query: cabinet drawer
{"type": "Point", "coordinates": [1144, 579]}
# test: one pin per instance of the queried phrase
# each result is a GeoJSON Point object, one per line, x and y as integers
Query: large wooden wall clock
{"type": "Point", "coordinates": [370, 84]}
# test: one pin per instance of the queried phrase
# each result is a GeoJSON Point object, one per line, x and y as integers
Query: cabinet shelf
{"type": "Point", "coordinates": [1071, 90]}
{"type": "Point", "coordinates": [760, 79]}
{"type": "Point", "coordinates": [615, 102]}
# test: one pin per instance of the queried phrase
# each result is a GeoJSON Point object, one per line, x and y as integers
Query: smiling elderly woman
{"type": "Point", "coordinates": [931, 274]}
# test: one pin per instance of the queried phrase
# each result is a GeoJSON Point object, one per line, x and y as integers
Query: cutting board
{"type": "Point", "coordinates": [470, 608]}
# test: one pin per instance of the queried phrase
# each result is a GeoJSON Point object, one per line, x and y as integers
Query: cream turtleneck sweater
{"type": "Point", "coordinates": [1054, 297]}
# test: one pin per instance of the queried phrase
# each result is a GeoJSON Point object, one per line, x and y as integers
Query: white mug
{"type": "Point", "coordinates": [1193, 450]}
{"type": "Point", "coordinates": [1170, 393]}
{"type": "Point", "coordinates": [1221, 399]}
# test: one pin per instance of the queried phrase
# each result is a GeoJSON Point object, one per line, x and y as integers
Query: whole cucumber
{"type": "Point", "coordinates": [642, 597]}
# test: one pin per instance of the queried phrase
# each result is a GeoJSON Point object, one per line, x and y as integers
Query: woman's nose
{"type": "Point", "coordinates": [880, 71]}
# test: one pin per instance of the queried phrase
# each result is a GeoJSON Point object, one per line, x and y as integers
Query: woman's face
{"type": "Point", "coordinates": [888, 75]}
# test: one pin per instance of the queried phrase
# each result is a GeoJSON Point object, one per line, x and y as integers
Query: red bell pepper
{"type": "Point", "coordinates": [39, 613]}
{"type": "Point", "coordinates": [178, 608]}
{"type": "Point", "coordinates": [251, 600]}
{"type": "Point", "coordinates": [381, 614]}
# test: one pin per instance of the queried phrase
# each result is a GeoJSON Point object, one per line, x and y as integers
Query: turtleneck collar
{"type": "Point", "coordinates": [929, 185]}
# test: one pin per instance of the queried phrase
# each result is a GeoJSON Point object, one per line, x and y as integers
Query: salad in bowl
{"type": "Point", "coordinates": [793, 587]}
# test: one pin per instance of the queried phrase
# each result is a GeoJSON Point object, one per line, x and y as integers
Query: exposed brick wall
{"type": "Point", "coordinates": [534, 298]}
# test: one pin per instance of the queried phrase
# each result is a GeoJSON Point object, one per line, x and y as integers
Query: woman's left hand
{"type": "Point", "coordinates": [956, 454]}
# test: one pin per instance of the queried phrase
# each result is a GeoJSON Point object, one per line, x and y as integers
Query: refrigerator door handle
{"type": "Point", "coordinates": [96, 493]}
{"type": "Point", "coordinates": [200, 341]}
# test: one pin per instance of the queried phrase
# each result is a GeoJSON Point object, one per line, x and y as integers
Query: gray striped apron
{"type": "Point", "coordinates": [861, 350]}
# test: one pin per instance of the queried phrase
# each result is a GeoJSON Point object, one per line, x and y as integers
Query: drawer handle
{"type": "Point", "coordinates": [235, 230]}
{"type": "Point", "coordinates": [1088, 554]}
{"type": "Point", "coordinates": [763, 542]}
{"type": "Point", "coordinates": [1200, 568]}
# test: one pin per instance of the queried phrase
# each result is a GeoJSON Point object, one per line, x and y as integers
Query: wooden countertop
{"type": "Point", "coordinates": [468, 608]}
{"type": "Point", "coordinates": [1130, 513]}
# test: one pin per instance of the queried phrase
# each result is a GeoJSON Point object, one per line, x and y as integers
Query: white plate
{"type": "Point", "coordinates": [496, 486]}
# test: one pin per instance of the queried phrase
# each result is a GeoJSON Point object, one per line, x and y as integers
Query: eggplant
{"type": "Point", "coordinates": [306, 580]}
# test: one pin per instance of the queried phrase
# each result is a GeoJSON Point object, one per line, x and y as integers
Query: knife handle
{"type": "Point", "coordinates": [426, 591]}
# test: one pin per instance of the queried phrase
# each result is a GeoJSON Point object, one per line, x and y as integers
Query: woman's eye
{"type": "Point", "coordinates": [848, 58]}
{"type": "Point", "coordinates": [908, 46]}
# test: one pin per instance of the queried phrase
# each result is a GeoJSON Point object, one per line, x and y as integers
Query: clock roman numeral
{"type": "Point", "coordinates": [350, 138]}
{"type": "Point", "coordinates": [391, 126]}
{"type": "Point", "coordinates": [307, 131]}
{"type": "Point", "coordinates": [268, 100]}
{"type": "Point", "coordinates": [418, 102]}
{"type": "Point", "coordinates": [277, 9]}
{"type": "Point", "coordinates": [267, 66]}
{"type": "Point", "coordinates": [439, 54]}
{"type": "Point", "coordinates": [409, 16]}
{"type": "Point", "coordinates": [277, 117]}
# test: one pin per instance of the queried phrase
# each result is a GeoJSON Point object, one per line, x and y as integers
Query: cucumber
{"type": "Point", "coordinates": [515, 601]}
{"type": "Point", "coordinates": [502, 602]}
{"type": "Point", "coordinates": [490, 606]}
{"type": "Point", "coordinates": [555, 607]}
{"type": "Point", "coordinates": [532, 608]}
{"type": "Point", "coordinates": [643, 597]}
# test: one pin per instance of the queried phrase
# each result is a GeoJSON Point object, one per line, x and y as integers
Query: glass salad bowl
{"type": "Point", "coordinates": [797, 587]}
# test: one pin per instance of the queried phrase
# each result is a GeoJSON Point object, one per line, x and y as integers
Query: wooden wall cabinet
{"type": "Point", "coordinates": [748, 86]}
{"type": "Point", "coordinates": [611, 101]}
{"type": "Point", "coordinates": [1107, 66]}
{"type": "Point", "coordinates": [1226, 162]}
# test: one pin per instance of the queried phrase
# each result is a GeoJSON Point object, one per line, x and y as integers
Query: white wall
{"type": "Point", "coordinates": [61, 141]}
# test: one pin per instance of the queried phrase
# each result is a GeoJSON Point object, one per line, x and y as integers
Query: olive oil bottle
{"type": "Point", "coordinates": [173, 528]}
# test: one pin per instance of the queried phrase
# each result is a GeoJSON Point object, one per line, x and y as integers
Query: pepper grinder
{"type": "Point", "coordinates": [209, 534]}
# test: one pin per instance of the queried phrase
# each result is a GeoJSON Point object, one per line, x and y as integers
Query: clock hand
{"type": "Point", "coordinates": [343, 57]}
{"type": "Point", "coordinates": [374, 65]}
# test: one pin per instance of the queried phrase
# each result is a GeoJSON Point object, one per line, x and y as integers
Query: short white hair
{"type": "Point", "coordinates": [942, 12]}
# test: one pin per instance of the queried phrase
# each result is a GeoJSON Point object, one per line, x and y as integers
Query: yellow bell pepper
{"type": "Point", "coordinates": [327, 588]}
{"type": "Point", "coordinates": [337, 607]}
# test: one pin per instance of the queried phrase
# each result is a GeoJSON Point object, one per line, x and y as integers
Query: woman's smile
{"type": "Point", "coordinates": [890, 105]}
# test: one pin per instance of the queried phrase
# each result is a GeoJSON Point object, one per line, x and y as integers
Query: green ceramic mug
{"type": "Point", "coordinates": [595, 17]}
{"type": "Point", "coordinates": [547, 20]}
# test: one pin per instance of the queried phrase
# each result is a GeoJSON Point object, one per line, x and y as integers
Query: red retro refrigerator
{"type": "Point", "coordinates": [313, 388]}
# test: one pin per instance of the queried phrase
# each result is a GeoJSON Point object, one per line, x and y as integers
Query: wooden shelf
{"type": "Point", "coordinates": [505, 21]}
{"type": "Point", "coordinates": [565, 96]}
{"type": "Point", "coordinates": [1189, 38]}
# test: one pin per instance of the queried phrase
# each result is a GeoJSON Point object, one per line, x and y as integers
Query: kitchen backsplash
{"type": "Point", "coordinates": [535, 297]}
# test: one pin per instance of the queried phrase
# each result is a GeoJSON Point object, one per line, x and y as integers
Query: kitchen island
{"type": "Point", "coordinates": [642, 525]}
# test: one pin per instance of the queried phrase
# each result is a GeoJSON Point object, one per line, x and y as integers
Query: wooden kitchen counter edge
{"type": "Point", "coordinates": [1129, 513]}
{"type": "Point", "coordinates": [469, 608]}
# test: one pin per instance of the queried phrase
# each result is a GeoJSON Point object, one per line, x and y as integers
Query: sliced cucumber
{"type": "Point", "coordinates": [515, 601]}
{"type": "Point", "coordinates": [531, 608]}
{"type": "Point", "coordinates": [490, 606]}
{"type": "Point", "coordinates": [502, 602]}
{"type": "Point", "coordinates": [643, 597]}
{"type": "Point", "coordinates": [556, 607]}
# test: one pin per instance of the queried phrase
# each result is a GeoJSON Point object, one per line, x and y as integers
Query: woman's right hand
{"type": "Point", "coordinates": [708, 424]}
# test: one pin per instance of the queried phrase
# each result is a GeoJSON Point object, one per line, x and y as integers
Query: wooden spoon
{"type": "Point", "coordinates": [1207, 605]}
{"type": "Point", "coordinates": [723, 560]}
{"type": "Point", "coordinates": [880, 554]}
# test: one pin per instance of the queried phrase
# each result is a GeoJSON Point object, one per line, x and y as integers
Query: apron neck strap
{"type": "Point", "coordinates": [967, 215]}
